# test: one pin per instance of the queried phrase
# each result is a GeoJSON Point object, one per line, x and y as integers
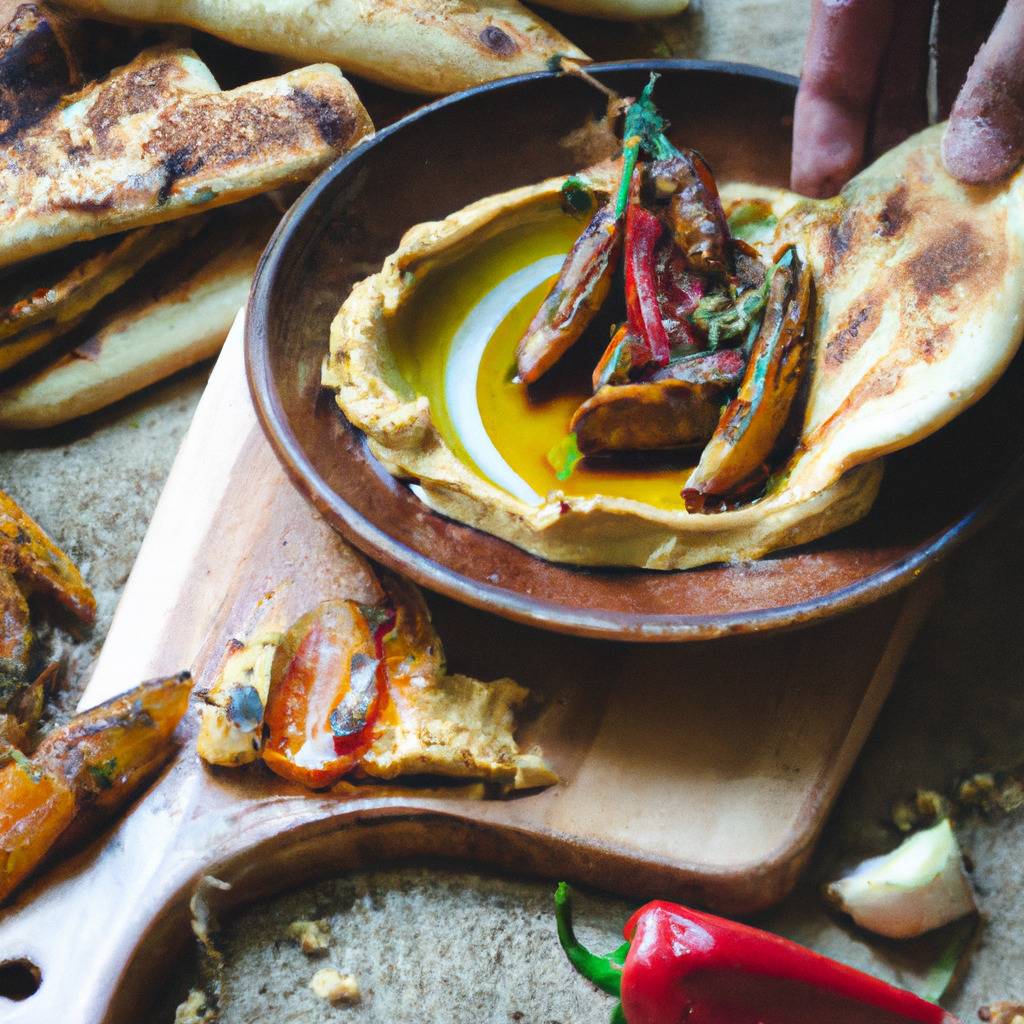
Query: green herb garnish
{"type": "Point", "coordinates": [727, 314]}
{"type": "Point", "coordinates": [564, 457]}
{"type": "Point", "coordinates": [103, 773]}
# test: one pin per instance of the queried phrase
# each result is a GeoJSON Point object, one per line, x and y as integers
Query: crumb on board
{"type": "Point", "coordinates": [313, 937]}
{"type": "Point", "coordinates": [195, 1009]}
{"type": "Point", "coordinates": [1003, 1013]}
{"type": "Point", "coordinates": [330, 984]}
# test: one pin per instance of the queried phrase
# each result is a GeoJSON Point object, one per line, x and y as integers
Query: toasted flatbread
{"type": "Point", "coordinates": [921, 305]}
{"type": "Point", "coordinates": [157, 140]}
{"type": "Point", "coordinates": [37, 66]}
{"type": "Point", "coordinates": [174, 316]}
{"type": "Point", "coordinates": [428, 46]}
{"type": "Point", "coordinates": [45, 298]}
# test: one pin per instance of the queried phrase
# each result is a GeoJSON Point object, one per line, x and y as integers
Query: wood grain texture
{"type": "Point", "coordinates": [701, 772]}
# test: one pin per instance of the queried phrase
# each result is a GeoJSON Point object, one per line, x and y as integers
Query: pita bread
{"type": "Point", "coordinates": [157, 140]}
{"type": "Point", "coordinates": [151, 331]}
{"type": "Point", "coordinates": [428, 46]}
{"type": "Point", "coordinates": [920, 308]}
{"type": "Point", "coordinates": [37, 66]}
{"type": "Point", "coordinates": [40, 301]}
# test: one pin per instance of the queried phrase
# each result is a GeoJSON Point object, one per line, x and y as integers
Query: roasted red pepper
{"type": "Point", "coordinates": [643, 229]}
{"type": "Point", "coordinates": [321, 712]}
{"type": "Point", "coordinates": [680, 965]}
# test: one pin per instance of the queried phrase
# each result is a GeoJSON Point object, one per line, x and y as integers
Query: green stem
{"type": "Point", "coordinates": [604, 971]}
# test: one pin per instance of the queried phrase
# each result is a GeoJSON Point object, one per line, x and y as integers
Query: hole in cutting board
{"type": "Point", "coordinates": [19, 979]}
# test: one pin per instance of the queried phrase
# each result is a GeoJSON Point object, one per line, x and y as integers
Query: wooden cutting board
{"type": "Point", "coordinates": [701, 772]}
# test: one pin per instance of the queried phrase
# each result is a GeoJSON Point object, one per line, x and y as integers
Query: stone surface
{"type": "Point", "coordinates": [429, 943]}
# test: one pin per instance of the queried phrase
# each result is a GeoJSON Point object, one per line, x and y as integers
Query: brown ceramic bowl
{"type": "Point", "coordinates": [507, 134]}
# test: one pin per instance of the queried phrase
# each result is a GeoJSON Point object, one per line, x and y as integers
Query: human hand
{"type": "Point", "coordinates": [866, 78]}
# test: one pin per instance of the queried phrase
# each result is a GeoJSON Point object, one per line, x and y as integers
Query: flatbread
{"type": "Point", "coordinates": [37, 66]}
{"type": "Point", "coordinates": [428, 46]}
{"type": "Point", "coordinates": [157, 140]}
{"type": "Point", "coordinates": [174, 316]}
{"type": "Point", "coordinates": [45, 298]}
{"type": "Point", "coordinates": [920, 305]}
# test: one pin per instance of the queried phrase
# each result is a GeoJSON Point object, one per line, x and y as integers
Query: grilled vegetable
{"type": "Point", "coordinates": [231, 718]}
{"type": "Point", "coordinates": [643, 229]}
{"type": "Point", "coordinates": [39, 565]}
{"type": "Point", "coordinates": [15, 637]}
{"type": "Point", "coordinates": [679, 292]}
{"type": "Point", "coordinates": [642, 417]}
{"type": "Point", "coordinates": [624, 352]}
{"type": "Point", "coordinates": [322, 709]}
{"type": "Point", "coordinates": [685, 185]}
{"type": "Point", "coordinates": [575, 297]}
{"type": "Point", "coordinates": [736, 458]}
{"type": "Point", "coordinates": [84, 772]}
{"type": "Point", "coordinates": [723, 369]}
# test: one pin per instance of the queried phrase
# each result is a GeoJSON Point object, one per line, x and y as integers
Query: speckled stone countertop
{"type": "Point", "coordinates": [430, 943]}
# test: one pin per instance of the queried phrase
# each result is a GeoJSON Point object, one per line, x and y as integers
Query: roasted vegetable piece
{"type": "Point", "coordinates": [645, 417]}
{"type": "Point", "coordinates": [85, 770]}
{"type": "Point", "coordinates": [322, 709]}
{"type": "Point", "coordinates": [38, 564]}
{"type": "Point", "coordinates": [680, 965]}
{"type": "Point", "coordinates": [575, 297]}
{"type": "Point", "coordinates": [232, 712]}
{"type": "Point", "coordinates": [15, 638]}
{"type": "Point", "coordinates": [36, 807]}
{"type": "Point", "coordinates": [643, 229]}
{"type": "Point", "coordinates": [624, 353]}
{"type": "Point", "coordinates": [686, 186]}
{"type": "Point", "coordinates": [723, 369]}
{"type": "Point", "coordinates": [107, 752]}
{"type": "Point", "coordinates": [679, 292]}
{"type": "Point", "coordinates": [736, 458]}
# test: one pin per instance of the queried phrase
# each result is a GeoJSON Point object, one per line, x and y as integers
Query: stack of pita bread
{"type": "Point", "coordinates": [132, 208]}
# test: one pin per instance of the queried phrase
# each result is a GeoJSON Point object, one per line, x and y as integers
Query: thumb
{"type": "Point", "coordinates": [984, 140]}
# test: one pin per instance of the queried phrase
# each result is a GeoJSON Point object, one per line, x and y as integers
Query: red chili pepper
{"type": "Point", "coordinates": [680, 965]}
{"type": "Point", "coordinates": [643, 229]}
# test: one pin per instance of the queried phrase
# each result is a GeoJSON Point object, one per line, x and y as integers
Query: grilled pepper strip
{"type": "Point", "coordinates": [643, 229]}
{"type": "Point", "coordinates": [736, 458]}
{"type": "Point", "coordinates": [694, 210]}
{"type": "Point", "coordinates": [574, 299]}
{"type": "Point", "coordinates": [322, 709]}
{"type": "Point", "coordinates": [83, 772]}
{"type": "Point", "coordinates": [651, 416]}
{"type": "Point", "coordinates": [686, 966]}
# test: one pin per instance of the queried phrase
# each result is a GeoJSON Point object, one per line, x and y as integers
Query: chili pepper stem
{"type": "Point", "coordinates": [604, 971]}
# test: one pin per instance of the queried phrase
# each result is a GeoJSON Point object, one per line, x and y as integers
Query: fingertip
{"type": "Point", "coordinates": [977, 152]}
{"type": "Point", "coordinates": [828, 147]}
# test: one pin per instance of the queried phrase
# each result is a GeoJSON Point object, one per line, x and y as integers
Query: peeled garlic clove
{"type": "Point", "coordinates": [919, 886]}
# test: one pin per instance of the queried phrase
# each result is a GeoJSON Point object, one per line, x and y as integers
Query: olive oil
{"type": "Point", "coordinates": [521, 425]}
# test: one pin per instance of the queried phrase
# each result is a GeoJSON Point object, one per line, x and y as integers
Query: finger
{"type": "Point", "coordinates": [901, 105]}
{"type": "Point", "coordinates": [960, 31]}
{"type": "Point", "coordinates": [985, 137]}
{"type": "Point", "coordinates": [845, 44]}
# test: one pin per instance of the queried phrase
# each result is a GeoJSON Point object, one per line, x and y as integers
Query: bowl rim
{"type": "Point", "coordinates": [602, 624]}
